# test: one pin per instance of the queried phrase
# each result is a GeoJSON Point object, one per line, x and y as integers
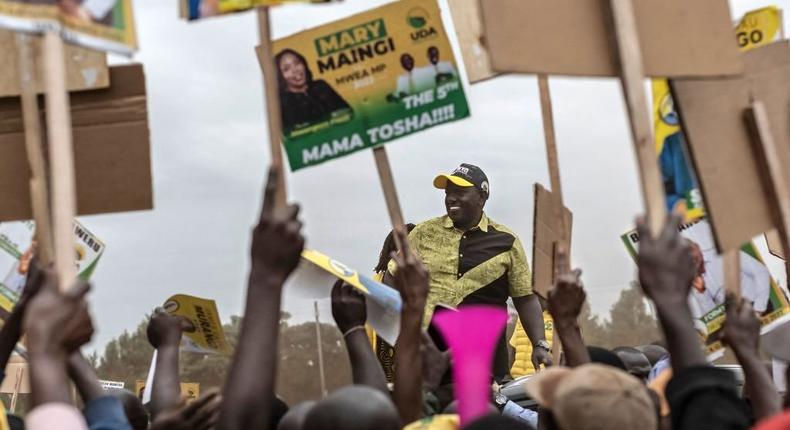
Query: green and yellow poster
{"type": "Point", "coordinates": [757, 28]}
{"type": "Point", "coordinates": [103, 25]}
{"type": "Point", "coordinates": [197, 9]}
{"type": "Point", "coordinates": [366, 80]}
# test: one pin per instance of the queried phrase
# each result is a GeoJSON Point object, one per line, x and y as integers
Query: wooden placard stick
{"type": "Point", "coordinates": [61, 158]}
{"type": "Point", "coordinates": [20, 372]}
{"type": "Point", "coordinates": [776, 180]}
{"type": "Point", "coordinates": [273, 115]}
{"type": "Point", "coordinates": [632, 79]}
{"type": "Point", "coordinates": [732, 272]}
{"type": "Point", "coordinates": [390, 192]}
{"type": "Point", "coordinates": [554, 167]}
{"type": "Point", "coordinates": [39, 190]}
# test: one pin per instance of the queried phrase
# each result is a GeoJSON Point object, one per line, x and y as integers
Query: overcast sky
{"type": "Point", "coordinates": [210, 153]}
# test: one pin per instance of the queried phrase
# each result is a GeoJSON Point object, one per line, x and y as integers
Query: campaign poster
{"type": "Point", "coordinates": [683, 196]}
{"type": "Point", "coordinates": [205, 335]}
{"type": "Point", "coordinates": [197, 9]}
{"type": "Point", "coordinates": [706, 298]}
{"type": "Point", "coordinates": [103, 25]}
{"type": "Point", "coordinates": [366, 80]}
{"type": "Point", "coordinates": [17, 248]}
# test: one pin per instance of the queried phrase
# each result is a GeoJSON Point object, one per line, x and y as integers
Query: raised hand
{"type": "Point", "coordinates": [348, 307]}
{"type": "Point", "coordinates": [277, 241]}
{"type": "Point", "coordinates": [566, 298]}
{"type": "Point", "coordinates": [411, 278]}
{"type": "Point", "coordinates": [202, 414]}
{"type": "Point", "coordinates": [666, 265]}
{"type": "Point", "coordinates": [58, 322]}
{"type": "Point", "coordinates": [742, 326]}
{"type": "Point", "coordinates": [165, 329]}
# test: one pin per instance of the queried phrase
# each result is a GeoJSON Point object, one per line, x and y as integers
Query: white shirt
{"type": "Point", "coordinates": [421, 79]}
{"type": "Point", "coordinates": [755, 284]}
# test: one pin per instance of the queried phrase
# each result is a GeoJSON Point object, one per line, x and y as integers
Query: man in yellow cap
{"type": "Point", "coordinates": [474, 260]}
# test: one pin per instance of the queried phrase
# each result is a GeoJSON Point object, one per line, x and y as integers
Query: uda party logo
{"type": "Point", "coordinates": [418, 20]}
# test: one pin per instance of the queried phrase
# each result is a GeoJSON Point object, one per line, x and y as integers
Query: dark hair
{"type": "Point", "coordinates": [281, 84]}
{"type": "Point", "coordinates": [497, 422]}
{"type": "Point", "coordinates": [605, 356]}
{"type": "Point", "coordinates": [387, 249]}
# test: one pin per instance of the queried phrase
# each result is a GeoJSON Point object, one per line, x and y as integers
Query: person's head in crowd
{"type": "Point", "coordinates": [133, 408]}
{"type": "Point", "coordinates": [15, 422]}
{"type": "Point", "coordinates": [697, 256]}
{"type": "Point", "coordinates": [293, 73]}
{"type": "Point", "coordinates": [605, 356]}
{"type": "Point", "coordinates": [433, 55]}
{"type": "Point", "coordinates": [407, 62]}
{"type": "Point", "coordinates": [653, 352]}
{"type": "Point", "coordinates": [496, 422]}
{"type": "Point", "coordinates": [279, 410]}
{"type": "Point", "coordinates": [354, 408]}
{"type": "Point", "coordinates": [295, 417]}
{"type": "Point", "coordinates": [636, 363]}
{"type": "Point", "coordinates": [387, 249]}
{"type": "Point", "coordinates": [593, 396]}
{"type": "Point", "coordinates": [466, 191]}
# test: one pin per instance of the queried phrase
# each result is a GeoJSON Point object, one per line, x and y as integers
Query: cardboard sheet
{"type": "Point", "coordinates": [545, 234]}
{"type": "Point", "coordinates": [469, 29]}
{"type": "Point", "coordinates": [111, 149]}
{"type": "Point", "coordinates": [712, 114]}
{"type": "Point", "coordinates": [573, 37]}
{"type": "Point", "coordinates": [85, 69]}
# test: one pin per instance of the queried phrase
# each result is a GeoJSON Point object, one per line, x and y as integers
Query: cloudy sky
{"type": "Point", "coordinates": [210, 154]}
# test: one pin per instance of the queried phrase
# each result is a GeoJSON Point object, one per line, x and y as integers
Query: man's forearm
{"type": "Point", "coordinates": [10, 334]}
{"type": "Point", "coordinates": [573, 346]}
{"type": "Point", "coordinates": [365, 368]}
{"type": "Point", "coordinates": [531, 315]}
{"type": "Point", "coordinates": [247, 401]}
{"type": "Point", "coordinates": [408, 368]}
{"type": "Point", "coordinates": [166, 390]}
{"type": "Point", "coordinates": [48, 380]}
{"type": "Point", "coordinates": [683, 341]}
{"type": "Point", "coordinates": [84, 378]}
{"type": "Point", "coordinates": [759, 387]}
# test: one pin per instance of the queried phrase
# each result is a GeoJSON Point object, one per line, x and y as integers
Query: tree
{"type": "Point", "coordinates": [630, 321]}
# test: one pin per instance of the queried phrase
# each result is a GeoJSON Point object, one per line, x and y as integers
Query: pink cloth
{"type": "Point", "coordinates": [51, 416]}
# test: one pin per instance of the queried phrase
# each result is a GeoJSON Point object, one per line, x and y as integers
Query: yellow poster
{"type": "Point", "coordinates": [366, 80]}
{"type": "Point", "coordinates": [756, 28]}
{"type": "Point", "coordinates": [206, 336]}
{"type": "Point", "coordinates": [104, 25]}
{"type": "Point", "coordinates": [189, 390]}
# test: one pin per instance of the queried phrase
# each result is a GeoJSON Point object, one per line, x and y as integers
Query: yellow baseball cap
{"type": "Point", "coordinates": [465, 175]}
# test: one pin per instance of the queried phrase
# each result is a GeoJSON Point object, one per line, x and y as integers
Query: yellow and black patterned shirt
{"type": "Point", "coordinates": [484, 265]}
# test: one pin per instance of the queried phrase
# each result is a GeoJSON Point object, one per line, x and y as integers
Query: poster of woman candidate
{"type": "Point", "coordinates": [707, 293]}
{"type": "Point", "coordinates": [104, 25]}
{"type": "Point", "coordinates": [757, 28]}
{"type": "Point", "coordinates": [197, 9]}
{"type": "Point", "coordinates": [366, 80]}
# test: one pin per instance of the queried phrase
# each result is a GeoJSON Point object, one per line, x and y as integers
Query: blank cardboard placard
{"type": "Point", "coordinates": [111, 149]}
{"type": "Point", "coordinates": [546, 231]}
{"type": "Point", "coordinates": [469, 29]}
{"type": "Point", "coordinates": [712, 112]}
{"type": "Point", "coordinates": [85, 69]}
{"type": "Point", "coordinates": [573, 37]}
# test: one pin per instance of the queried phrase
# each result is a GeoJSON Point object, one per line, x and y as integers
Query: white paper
{"type": "Point", "coordinates": [149, 381]}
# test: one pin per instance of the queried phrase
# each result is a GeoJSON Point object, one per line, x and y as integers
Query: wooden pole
{"type": "Point", "coordinates": [274, 117]}
{"type": "Point", "coordinates": [320, 348]}
{"type": "Point", "coordinates": [61, 157]}
{"type": "Point", "coordinates": [390, 192]}
{"type": "Point", "coordinates": [776, 180]}
{"type": "Point", "coordinates": [632, 78]}
{"type": "Point", "coordinates": [39, 190]}
{"type": "Point", "coordinates": [20, 372]}
{"type": "Point", "coordinates": [732, 272]}
{"type": "Point", "coordinates": [554, 166]}
{"type": "Point", "coordinates": [556, 191]}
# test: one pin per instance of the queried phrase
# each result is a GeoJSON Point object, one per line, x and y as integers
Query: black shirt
{"type": "Point", "coordinates": [316, 104]}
